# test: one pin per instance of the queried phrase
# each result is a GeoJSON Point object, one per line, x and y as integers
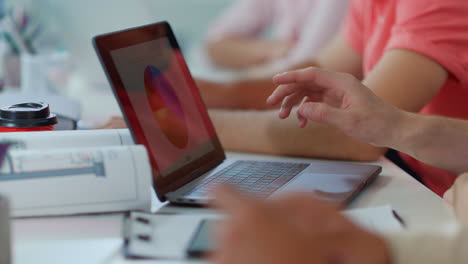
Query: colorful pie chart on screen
{"type": "Point", "coordinates": [166, 107]}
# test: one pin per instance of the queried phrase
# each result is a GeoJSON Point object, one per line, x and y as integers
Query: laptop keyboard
{"type": "Point", "coordinates": [260, 178]}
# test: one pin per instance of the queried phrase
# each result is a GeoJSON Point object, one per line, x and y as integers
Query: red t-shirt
{"type": "Point", "coordinates": [434, 28]}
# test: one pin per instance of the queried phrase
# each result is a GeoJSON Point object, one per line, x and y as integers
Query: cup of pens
{"type": "Point", "coordinates": [18, 34]}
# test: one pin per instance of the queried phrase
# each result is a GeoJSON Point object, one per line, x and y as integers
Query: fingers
{"type": "Point", "coordinates": [307, 82]}
{"type": "Point", "coordinates": [448, 196]}
{"type": "Point", "coordinates": [283, 91]}
{"type": "Point", "coordinates": [301, 118]}
{"type": "Point", "coordinates": [302, 75]}
{"type": "Point", "coordinates": [323, 78]}
{"type": "Point", "coordinates": [460, 197]}
{"type": "Point", "coordinates": [289, 102]}
{"type": "Point", "coordinates": [302, 209]}
{"type": "Point", "coordinates": [304, 204]}
{"type": "Point", "coordinates": [228, 200]}
{"type": "Point", "coordinates": [321, 113]}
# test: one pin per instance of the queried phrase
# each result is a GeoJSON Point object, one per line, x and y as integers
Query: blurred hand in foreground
{"type": "Point", "coordinates": [457, 195]}
{"type": "Point", "coordinates": [293, 229]}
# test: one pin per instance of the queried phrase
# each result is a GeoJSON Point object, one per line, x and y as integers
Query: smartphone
{"type": "Point", "coordinates": [201, 243]}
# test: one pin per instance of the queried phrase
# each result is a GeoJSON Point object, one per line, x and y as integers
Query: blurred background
{"type": "Point", "coordinates": [61, 31]}
{"type": "Point", "coordinates": [71, 24]}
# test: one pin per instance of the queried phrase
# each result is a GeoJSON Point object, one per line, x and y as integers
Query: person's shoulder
{"type": "Point", "coordinates": [417, 10]}
{"type": "Point", "coordinates": [360, 3]}
{"type": "Point", "coordinates": [433, 5]}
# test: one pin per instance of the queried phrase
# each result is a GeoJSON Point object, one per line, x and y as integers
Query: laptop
{"type": "Point", "coordinates": [165, 112]}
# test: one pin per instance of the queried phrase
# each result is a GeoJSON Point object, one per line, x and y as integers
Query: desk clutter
{"type": "Point", "coordinates": [67, 110]}
{"type": "Point", "coordinates": [74, 172]}
{"type": "Point", "coordinates": [32, 59]}
{"type": "Point", "coordinates": [169, 236]}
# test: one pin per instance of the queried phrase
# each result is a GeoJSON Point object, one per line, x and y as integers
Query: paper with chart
{"type": "Point", "coordinates": [41, 180]}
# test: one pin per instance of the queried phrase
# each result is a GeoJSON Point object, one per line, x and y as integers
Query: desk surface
{"type": "Point", "coordinates": [96, 238]}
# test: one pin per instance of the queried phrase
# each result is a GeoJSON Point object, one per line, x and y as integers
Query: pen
{"type": "Point", "coordinates": [399, 218]}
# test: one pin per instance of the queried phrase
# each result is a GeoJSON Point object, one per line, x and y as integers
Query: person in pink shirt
{"type": "Point", "coordinates": [299, 29]}
{"type": "Point", "coordinates": [411, 54]}
{"type": "Point", "coordinates": [299, 228]}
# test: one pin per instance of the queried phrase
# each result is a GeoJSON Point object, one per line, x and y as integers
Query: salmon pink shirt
{"type": "Point", "coordinates": [437, 29]}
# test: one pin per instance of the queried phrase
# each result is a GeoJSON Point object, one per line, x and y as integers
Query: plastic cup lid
{"type": "Point", "coordinates": [27, 115]}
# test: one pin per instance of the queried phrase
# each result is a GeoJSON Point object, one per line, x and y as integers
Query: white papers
{"type": "Point", "coordinates": [42, 175]}
{"type": "Point", "coordinates": [69, 139]}
{"type": "Point", "coordinates": [381, 219]}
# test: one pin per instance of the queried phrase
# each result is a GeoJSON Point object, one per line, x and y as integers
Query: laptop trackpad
{"type": "Point", "coordinates": [330, 187]}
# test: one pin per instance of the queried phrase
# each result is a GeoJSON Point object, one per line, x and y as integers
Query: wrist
{"type": "Point", "coordinates": [401, 132]}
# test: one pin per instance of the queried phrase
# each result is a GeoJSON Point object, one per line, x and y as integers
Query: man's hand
{"type": "Point", "coordinates": [294, 229]}
{"type": "Point", "coordinates": [339, 100]}
{"type": "Point", "coordinates": [458, 197]}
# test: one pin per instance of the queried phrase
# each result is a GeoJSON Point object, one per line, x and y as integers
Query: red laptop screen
{"type": "Point", "coordinates": [166, 103]}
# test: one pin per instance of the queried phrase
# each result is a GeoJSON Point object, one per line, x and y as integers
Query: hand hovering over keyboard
{"type": "Point", "coordinates": [337, 99]}
{"type": "Point", "coordinates": [343, 101]}
{"type": "Point", "coordinates": [293, 229]}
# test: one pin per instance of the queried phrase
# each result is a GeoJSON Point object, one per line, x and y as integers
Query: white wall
{"type": "Point", "coordinates": [75, 22]}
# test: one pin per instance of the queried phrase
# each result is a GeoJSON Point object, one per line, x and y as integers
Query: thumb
{"type": "Point", "coordinates": [321, 113]}
{"type": "Point", "coordinates": [460, 198]}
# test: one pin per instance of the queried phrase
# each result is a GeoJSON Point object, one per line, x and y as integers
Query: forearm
{"type": "Point", "coordinates": [262, 132]}
{"type": "Point", "coordinates": [252, 94]}
{"type": "Point", "coordinates": [438, 141]}
{"type": "Point", "coordinates": [239, 52]}
{"type": "Point", "coordinates": [429, 248]}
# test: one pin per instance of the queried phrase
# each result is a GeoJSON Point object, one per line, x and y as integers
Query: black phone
{"type": "Point", "coordinates": [201, 243]}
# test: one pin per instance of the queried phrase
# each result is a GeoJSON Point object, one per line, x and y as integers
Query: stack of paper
{"type": "Point", "coordinates": [72, 172]}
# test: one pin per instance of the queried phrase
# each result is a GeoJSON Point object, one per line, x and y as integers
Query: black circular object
{"type": "Point", "coordinates": [27, 115]}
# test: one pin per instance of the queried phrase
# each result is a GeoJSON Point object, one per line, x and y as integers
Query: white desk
{"type": "Point", "coordinates": [96, 239]}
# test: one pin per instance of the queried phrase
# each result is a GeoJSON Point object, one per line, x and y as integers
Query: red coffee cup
{"type": "Point", "coordinates": [27, 117]}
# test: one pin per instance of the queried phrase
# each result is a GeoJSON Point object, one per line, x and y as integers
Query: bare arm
{"type": "Point", "coordinates": [439, 141]}
{"type": "Point", "coordinates": [251, 94]}
{"type": "Point", "coordinates": [262, 132]}
{"type": "Point", "coordinates": [345, 103]}
{"type": "Point", "coordinates": [235, 39]}
{"type": "Point", "coordinates": [243, 52]}
{"type": "Point", "coordinates": [419, 79]}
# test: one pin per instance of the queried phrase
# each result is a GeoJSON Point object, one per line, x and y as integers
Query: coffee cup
{"type": "Point", "coordinates": [27, 117]}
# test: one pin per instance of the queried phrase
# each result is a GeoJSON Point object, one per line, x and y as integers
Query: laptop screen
{"type": "Point", "coordinates": [160, 100]}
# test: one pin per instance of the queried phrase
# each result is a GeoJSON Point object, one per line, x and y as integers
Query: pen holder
{"type": "Point", "coordinates": [11, 66]}
{"type": "Point", "coordinates": [5, 246]}
{"type": "Point", "coordinates": [45, 72]}
{"type": "Point", "coordinates": [34, 74]}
